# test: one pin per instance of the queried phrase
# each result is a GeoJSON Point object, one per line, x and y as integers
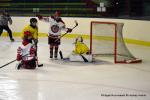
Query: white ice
{"type": "Point", "coordinates": [63, 80]}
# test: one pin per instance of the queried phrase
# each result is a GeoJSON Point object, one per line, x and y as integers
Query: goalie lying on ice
{"type": "Point", "coordinates": [81, 51]}
{"type": "Point", "coordinates": [26, 55]}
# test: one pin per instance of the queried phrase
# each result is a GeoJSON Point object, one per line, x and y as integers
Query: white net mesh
{"type": "Point", "coordinates": [107, 39]}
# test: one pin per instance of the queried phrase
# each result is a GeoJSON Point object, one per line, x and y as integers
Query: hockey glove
{"type": "Point", "coordinates": [19, 57]}
{"type": "Point", "coordinates": [69, 30]}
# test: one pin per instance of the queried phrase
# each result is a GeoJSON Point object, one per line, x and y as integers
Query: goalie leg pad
{"type": "Point", "coordinates": [78, 58]}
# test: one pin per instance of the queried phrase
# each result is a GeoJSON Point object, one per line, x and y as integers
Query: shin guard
{"type": "Point", "coordinates": [56, 51]}
{"type": "Point", "coordinates": [51, 52]}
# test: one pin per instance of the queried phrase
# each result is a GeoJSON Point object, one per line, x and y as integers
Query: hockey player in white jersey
{"type": "Point", "coordinates": [26, 55]}
{"type": "Point", "coordinates": [54, 34]}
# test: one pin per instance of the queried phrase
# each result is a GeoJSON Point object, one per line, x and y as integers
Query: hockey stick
{"type": "Point", "coordinates": [11, 62]}
{"type": "Point", "coordinates": [39, 65]}
{"type": "Point", "coordinates": [76, 24]}
{"type": "Point", "coordinates": [85, 60]}
{"type": "Point", "coordinates": [8, 63]}
{"type": "Point", "coordinates": [61, 55]}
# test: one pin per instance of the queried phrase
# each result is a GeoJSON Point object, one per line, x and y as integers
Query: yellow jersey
{"type": "Point", "coordinates": [33, 31]}
{"type": "Point", "coordinates": [81, 48]}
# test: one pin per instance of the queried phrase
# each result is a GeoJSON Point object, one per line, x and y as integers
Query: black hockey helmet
{"type": "Point", "coordinates": [33, 20]}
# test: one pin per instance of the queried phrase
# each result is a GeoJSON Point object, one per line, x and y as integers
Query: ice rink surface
{"type": "Point", "coordinates": [64, 80]}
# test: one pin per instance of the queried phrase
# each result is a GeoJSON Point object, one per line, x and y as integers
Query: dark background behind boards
{"type": "Point", "coordinates": [128, 9]}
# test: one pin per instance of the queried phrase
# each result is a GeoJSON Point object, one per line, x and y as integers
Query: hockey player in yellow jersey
{"type": "Point", "coordinates": [32, 29]}
{"type": "Point", "coordinates": [80, 47]}
{"type": "Point", "coordinates": [81, 51]}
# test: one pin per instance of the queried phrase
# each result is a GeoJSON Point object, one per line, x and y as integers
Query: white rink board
{"type": "Point", "coordinates": [133, 29]}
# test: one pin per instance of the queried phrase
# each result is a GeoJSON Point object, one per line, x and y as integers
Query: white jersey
{"type": "Point", "coordinates": [55, 27]}
{"type": "Point", "coordinates": [26, 50]}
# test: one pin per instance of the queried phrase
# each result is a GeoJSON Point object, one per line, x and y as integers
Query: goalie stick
{"type": "Point", "coordinates": [85, 60]}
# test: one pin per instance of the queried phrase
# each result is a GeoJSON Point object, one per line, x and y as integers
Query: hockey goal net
{"type": "Point", "coordinates": [106, 39]}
